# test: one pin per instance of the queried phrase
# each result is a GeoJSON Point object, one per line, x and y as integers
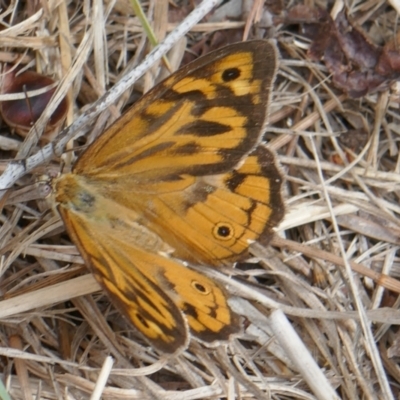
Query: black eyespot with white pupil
{"type": "Point", "coordinates": [223, 231]}
{"type": "Point", "coordinates": [230, 74]}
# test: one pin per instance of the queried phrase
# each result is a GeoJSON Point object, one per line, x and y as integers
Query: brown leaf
{"type": "Point", "coordinates": [357, 65]}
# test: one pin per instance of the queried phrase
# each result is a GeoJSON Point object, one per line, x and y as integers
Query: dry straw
{"type": "Point", "coordinates": [320, 318]}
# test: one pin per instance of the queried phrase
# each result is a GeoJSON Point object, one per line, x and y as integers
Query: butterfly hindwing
{"type": "Point", "coordinates": [223, 214]}
{"type": "Point", "coordinates": [149, 288]}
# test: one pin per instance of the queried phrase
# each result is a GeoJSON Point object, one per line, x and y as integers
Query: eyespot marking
{"type": "Point", "coordinates": [230, 74]}
{"type": "Point", "coordinates": [200, 288]}
{"type": "Point", "coordinates": [223, 231]}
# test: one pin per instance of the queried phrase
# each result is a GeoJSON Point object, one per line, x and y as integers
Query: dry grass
{"type": "Point", "coordinates": [332, 269]}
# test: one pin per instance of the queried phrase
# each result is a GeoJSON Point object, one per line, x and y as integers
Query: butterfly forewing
{"type": "Point", "coordinates": [110, 249]}
{"type": "Point", "coordinates": [200, 121]}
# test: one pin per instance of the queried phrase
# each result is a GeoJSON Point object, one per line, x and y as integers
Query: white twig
{"type": "Point", "coordinates": [301, 357]}
{"type": "Point", "coordinates": [102, 379]}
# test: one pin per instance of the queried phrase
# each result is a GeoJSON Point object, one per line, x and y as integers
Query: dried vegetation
{"type": "Point", "coordinates": [333, 266]}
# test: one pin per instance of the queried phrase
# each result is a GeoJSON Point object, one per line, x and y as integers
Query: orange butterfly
{"type": "Point", "coordinates": [180, 176]}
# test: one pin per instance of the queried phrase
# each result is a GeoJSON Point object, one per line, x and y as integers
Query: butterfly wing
{"type": "Point", "coordinates": [223, 214]}
{"type": "Point", "coordinates": [180, 157]}
{"type": "Point", "coordinates": [141, 300]}
{"type": "Point", "coordinates": [202, 301]}
{"type": "Point", "coordinates": [128, 262]}
{"type": "Point", "coordinates": [199, 121]}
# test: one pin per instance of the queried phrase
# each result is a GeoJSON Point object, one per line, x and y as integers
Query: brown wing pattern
{"type": "Point", "coordinates": [138, 282]}
{"type": "Point", "coordinates": [138, 298]}
{"type": "Point", "coordinates": [200, 121]}
{"type": "Point", "coordinates": [222, 215]}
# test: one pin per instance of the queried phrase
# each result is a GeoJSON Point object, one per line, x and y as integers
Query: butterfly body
{"type": "Point", "coordinates": [181, 176]}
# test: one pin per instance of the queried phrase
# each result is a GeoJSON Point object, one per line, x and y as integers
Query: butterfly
{"type": "Point", "coordinates": [180, 179]}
